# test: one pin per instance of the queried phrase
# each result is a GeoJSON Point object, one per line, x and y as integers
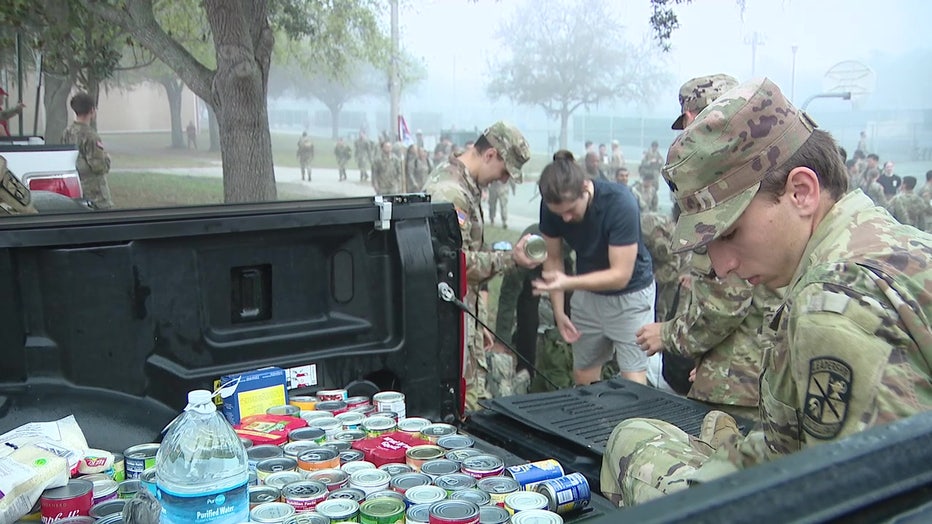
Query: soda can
{"type": "Point", "coordinates": [137, 459]}
{"type": "Point", "coordinates": [454, 512]}
{"type": "Point", "coordinates": [536, 248]}
{"type": "Point", "coordinates": [565, 494]}
{"type": "Point", "coordinates": [530, 474]}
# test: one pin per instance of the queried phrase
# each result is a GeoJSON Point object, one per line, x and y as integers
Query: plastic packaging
{"type": "Point", "coordinates": [201, 468]}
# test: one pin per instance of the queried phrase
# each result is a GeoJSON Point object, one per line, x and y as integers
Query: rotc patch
{"type": "Point", "coordinates": [461, 216]}
{"type": "Point", "coordinates": [827, 397]}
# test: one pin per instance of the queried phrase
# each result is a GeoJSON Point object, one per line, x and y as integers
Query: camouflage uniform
{"type": "Point", "coordinates": [651, 163]}
{"type": "Point", "coordinates": [305, 155]}
{"type": "Point", "coordinates": [657, 231]}
{"type": "Point", "coordinates": [93, 163]}
{"type": "Point", "coordinates": [498, 197]}
{"type": "Point", "coordinates": [451, 182]}
{"type": "Point", "coordinates": [874, 191]}
{"type": "Point", "coordinates": [363, 150]}
{"type": "Point", "coordinates": [617, 159]}
{"type": "Point", "coordinates": [724, 325]}
{"type": "Point", "coordinates": [853, 339]}
{"type": "Point", "coordinates": [647, 197]}
{"type": "Point", "coordinates": [910, 209]}
{"type": "Point", "coordinates": [697, 93]}
{"type": "Point", "coordinates": [15, 198]}
{"type": "Point", "coordinates": [386, 174]}
{"type": "Point", "coordinates": [343, 153]}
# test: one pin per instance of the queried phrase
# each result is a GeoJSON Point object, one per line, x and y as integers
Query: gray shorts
{"type": "Point", "coordinates": [607, 325]}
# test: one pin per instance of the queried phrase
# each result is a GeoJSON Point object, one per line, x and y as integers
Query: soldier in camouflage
{"type": "Point", "coordinates": [343, 153]}
{"type": "Point", "coordinates": [645, 190]}
{"type": "Point", "coordinates": [764, 192]}
{"type": "Point", "coordinates": [93, 162]}
{"type": "Point", "coordinates": [498, 154]}
{"type": "Point", "coordinates": [908, 207]}
{"type": "Point", "coordinates": [15, 198]}
{"type": "Point", "coordinates": [305, 155]}
{"type": "Point", "coordinates": [652, 161]}
{"type": "Point", "coordinates": [617, 160]}
{"type": "Point", "coordinates": [363, 150]}
{"type": "Point", "coordinates": [387, 172]}
{"type": "Point", "coordinates": [498, 198]}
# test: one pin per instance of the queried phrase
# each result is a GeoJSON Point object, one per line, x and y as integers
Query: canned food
{"type": "Point", "coordinates": [310, 415]}
{"type": "Point", "coordinates": [293, 449]}
{"type": "Point", "coordinates": [147, 480]}
{"type": "Point", "coordinates": [304, 495]}
{"type": "Point", "coordinates": [116, 518]}
{"type": "Point", "coordinates": [395, 468]}
{"type": "Point", "coordinates": [77, 520]}
{"type": "Point", "coordinates": [118, 472]}
{"type": "Point", "coordinates": [454, 512]}
{"type": "Point", "coordinates": [351, 420]}
{"type": "Point", "coordinates": [339, 510]}
{"type": "Point", "coordinates": [382, 511]}
{"type": "Point", "coordinates": [481, 466]}
{"type": "Point", "coordinates": [418, 514]}
{"type": "Point", "coordinates": [351, 455]}
{"type": "Point", "coordinates": [307, 518]}
{"type": "Point", "coordinates": [319, 458]}
{"type": "Point", "coordinates": [433, 432]}
{"type": "Point", "coordinates": [536, 248]}
{"type": "Point", "coordinates": [271, 512]}
{"type": "Point", "coordinates": [348, 493]}
{"type": "Point", "coordinates": [387, 493]}
{"type": "Point", "coordinates": [405, 481]}
{"type": "Point", "coordinates": [369, 480]}
{"type": "Point", "coordinates": [262, 494]}
{"type": "Point", "coordinates": [128, 489]}
{"type": "Point", "coordinates": [356, 465]}
{"type": "Point", "coordinates": [107, 507]}
{"type": "Point", "coordinates": [357, 402]}
{"type": "Point", "coordinates": [536, 516]}
{"type": "Point", "coordinates": [332, 478]}
{"type": "Point", "coordinates": [455, 482]}
{"type": "Point", "coordinates": [335, 407]}
{"type": "Point", "coordinates": [349, 435]}
{"type": "Point", "coordinates": [565, 494]}
{"type": "Point", "coordinates": [71, 500]}
{"type": "Point", "coordinates": [283, 478]}
{"type": "Point", "coordinates": [274, 465]}
{"type": "Point", "coordinates": [303, 402]}
{"type": "Point", "coordinates": [524, 500]}
{"type": "Point", "coordinates": [139, 458]}
{"type": "Point", "coordinates": [286, 410]}
{"type": "Point", "coordinates": [366, 410]}
{"type": "Point", "coordinates": [105, 488]}
{"type": "Point", "coordinates": [412, 424]}
{"type": "Point", "coordinates": [330, 426]}
{"type": "Point", "coordinates": [388, 414]}
{"type": "Point", "coordinates": [416, 456]}
{"type": "Point", "coordinates": [332, 394]}
{"type": "Point", "coordinates": [309, 434]}
{"type": "Point", "coordinates": [252, 479]}
{"type": "Point", "coordinates": [449, 442]}
{"type": "Point", "coordinates": [439, 467]}
{"type": "Point", "coordinates": [336, 445]}
{"type": "Point", "coordinates": [425, 494]}
{"type": "Point", "coordinates": [246, 442]}
{"type": "Point", "coordinates": [257, 454]}
{"type": "Point", "coordinates": [375, 426]}
{"type": "Point", "coordinates": [476, 496]}
{"type": "Point", "coordinates": [530, 474]}
{"type": "Point", "coordinates": [499, 488]}
{"type": "Point", "coordinates": [493, 515]}
{"type": "Point", "coordinates": [390, 401]}
{"type": "Point", "coordinates": [458, 455]}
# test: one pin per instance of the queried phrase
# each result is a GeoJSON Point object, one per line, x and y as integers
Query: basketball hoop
{"type": "Point", "coordinates": [853, 77]}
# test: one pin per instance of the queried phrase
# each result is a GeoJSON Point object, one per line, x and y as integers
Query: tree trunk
{"type": "Point", "coordinates": [55, 98]}
{"type": "Point", "coordinates": [244, 41]}
{"type": "Point", "coordinates": [564, 119]}
{"type": "Point", "coordinates": [335, 120]}
{"type": "Point", "coordinates": [173, 88]}
{"type": "Point", "coordinates": [214, 127]}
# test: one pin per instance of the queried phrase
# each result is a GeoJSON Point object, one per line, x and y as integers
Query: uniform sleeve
{"type": "Point", "coordinates": [512, 284]}
{"type": "Point", "coordinates": [93, 150]}
{"type": "Point", "coordinates": [716, 309]}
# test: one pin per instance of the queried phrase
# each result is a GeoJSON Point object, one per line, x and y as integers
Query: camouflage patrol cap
{"type": "Point", "coordinates": [699, 92]}
{"type": "Point", "coordinates": [511, 145]}
{"type": "Point", "coordinates": [716, 165]}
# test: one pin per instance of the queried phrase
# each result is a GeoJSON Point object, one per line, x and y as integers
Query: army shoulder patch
{"type": "Point", "coordinates": [827, 397]}
{"type": "Point", "coordinates": [461, 216]}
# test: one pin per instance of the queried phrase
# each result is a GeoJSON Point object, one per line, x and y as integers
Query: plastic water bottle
{"type": "Point", "coordinates": [201, 468]}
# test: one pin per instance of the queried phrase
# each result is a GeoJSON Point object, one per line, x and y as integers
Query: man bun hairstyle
{"type": "Point", "coordinates": [561, 180]}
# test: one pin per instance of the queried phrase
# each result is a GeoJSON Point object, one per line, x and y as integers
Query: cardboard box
{"type": "Point", "coordinates": [258, 390]}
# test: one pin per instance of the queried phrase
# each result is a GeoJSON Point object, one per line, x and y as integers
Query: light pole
{"type": "Point", "coordinates": [795, 48]}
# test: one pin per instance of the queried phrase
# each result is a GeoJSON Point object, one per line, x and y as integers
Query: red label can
{"type": "Point", "coordinates": [70, 500]}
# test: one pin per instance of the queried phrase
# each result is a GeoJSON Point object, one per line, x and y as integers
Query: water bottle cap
{"type": "Point", "coordinates": [201, 400]}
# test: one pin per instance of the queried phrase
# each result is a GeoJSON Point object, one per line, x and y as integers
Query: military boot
{"type": "Point", "coordinates": [717, 428]}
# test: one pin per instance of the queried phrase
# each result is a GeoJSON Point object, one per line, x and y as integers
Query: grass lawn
{"type": "Point", "coordinates": [137, 190]}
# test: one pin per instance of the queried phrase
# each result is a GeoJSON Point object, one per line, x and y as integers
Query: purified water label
{"type": "Point", "coordinates": [222, 507]}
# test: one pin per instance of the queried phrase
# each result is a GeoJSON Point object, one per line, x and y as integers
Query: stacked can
{"type": "Point", "coordinates": [390, 401]}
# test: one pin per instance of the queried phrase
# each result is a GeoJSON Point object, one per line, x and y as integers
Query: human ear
{"type": "Point", "coordinates": [803, 190]}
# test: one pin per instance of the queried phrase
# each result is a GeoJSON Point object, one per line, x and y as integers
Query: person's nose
{"type": "Point", "coordinates": [723, 258]}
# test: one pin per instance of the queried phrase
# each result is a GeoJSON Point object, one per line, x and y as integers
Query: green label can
{"type": "Point", "coordinates": [382, 511]}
